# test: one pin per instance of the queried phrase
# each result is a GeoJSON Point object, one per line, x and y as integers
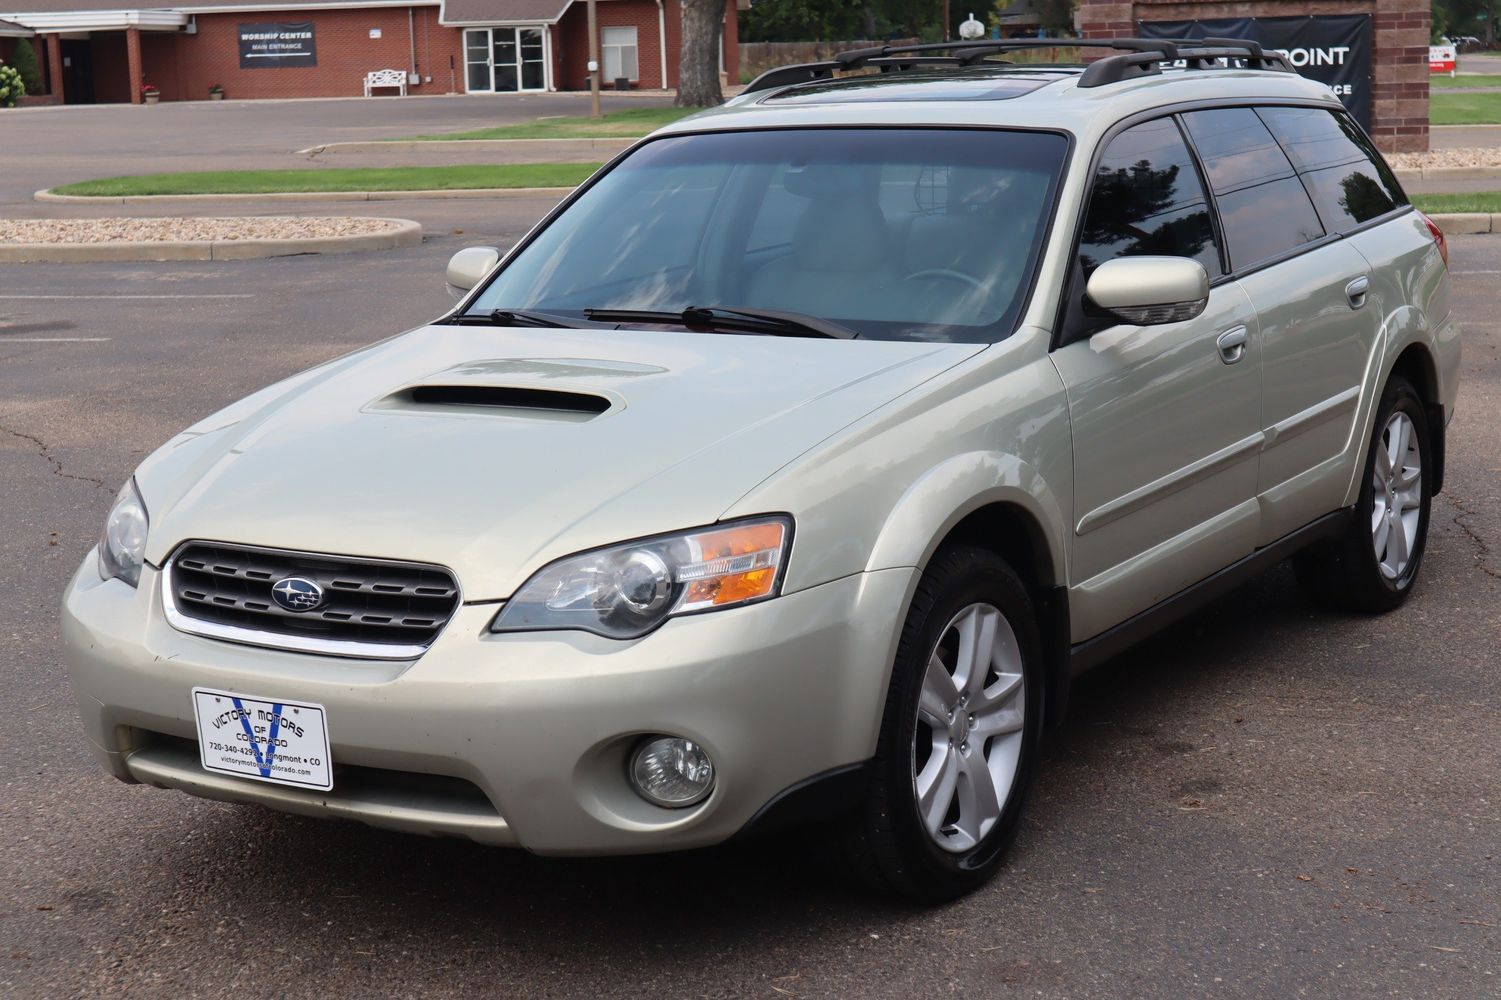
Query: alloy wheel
{"type": "Point", "coordinates": [970, 720]}
{"type": "Point", "coordinates": [1397, 495]}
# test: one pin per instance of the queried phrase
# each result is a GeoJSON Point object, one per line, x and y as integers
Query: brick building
{"type": "Point", "coordinates": [95, 51]}
{"type": "Point", "coordinates": [1399, 48]}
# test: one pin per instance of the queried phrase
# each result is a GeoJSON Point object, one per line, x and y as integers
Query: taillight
{"type": "Point", "coordinates": [1438, 237]}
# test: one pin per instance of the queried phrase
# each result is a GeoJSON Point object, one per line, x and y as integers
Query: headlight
{"type": "Point", "coordinates": [627, 590]}
{"type": "Point", "coordinates": [122, 546]}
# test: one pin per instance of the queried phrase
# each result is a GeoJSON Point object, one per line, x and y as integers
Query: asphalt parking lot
{"type": "Point", "coordinates": [1267, 800]}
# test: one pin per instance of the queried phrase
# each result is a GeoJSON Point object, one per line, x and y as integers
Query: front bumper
{"type": "Point", "coordinates": [536, 727]}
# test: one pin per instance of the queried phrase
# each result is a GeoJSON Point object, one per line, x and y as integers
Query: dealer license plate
{"type": "Point", "coordinates": [285, 742]}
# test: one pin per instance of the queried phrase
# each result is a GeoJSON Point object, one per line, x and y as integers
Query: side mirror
{"type": "Point", "coordinates": [469, 266]}
{"type": "Point", "coordinates": [1148, 291]}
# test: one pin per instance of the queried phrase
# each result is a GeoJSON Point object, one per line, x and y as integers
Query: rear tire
{"type": "Point", "coordinates": [960, 734]}
{"type": "Point", "coordinates": [1373, 566]}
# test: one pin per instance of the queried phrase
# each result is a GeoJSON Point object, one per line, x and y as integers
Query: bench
{"type": "Point", "coordinates": [386, 78]}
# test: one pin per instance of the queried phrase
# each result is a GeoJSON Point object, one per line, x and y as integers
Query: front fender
{"type": "Point", "coordinates": [957, 487]}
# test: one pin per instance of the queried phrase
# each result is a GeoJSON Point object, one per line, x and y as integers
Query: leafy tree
{"type": "Point", "coordinates": [1057, 16]}
{"type": "Point", "coordinates": [24, 61]}
{"type": "Point", "coordinates": [805, 20]}
{"type": "Point", "coordinates": [842, 20]}
{"type": "Point", "coordinates": [1468, 17]}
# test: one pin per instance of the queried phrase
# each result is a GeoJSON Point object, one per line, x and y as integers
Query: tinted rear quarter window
{"type": "Point", "coordinates": [1148, 199]}
{"type": "Point", "coordinates": [1349, 182]}
{"type": "Point", "coordinates": [1264, 208]}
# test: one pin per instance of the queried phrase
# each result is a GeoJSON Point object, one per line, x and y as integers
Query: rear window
{"type": "Point", "coordinates": [1264, 209]}
{"type": "Point", "coordinates": [1349, 182]}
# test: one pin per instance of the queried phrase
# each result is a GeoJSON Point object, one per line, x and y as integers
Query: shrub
{"type": "Point", "coordinates": [24, 61]}
{"type": "Point", "coordinates": [11, 87]}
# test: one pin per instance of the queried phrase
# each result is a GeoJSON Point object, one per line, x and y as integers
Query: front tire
{"type": "Point", "coordinates": [1373, 567]}
{"type": "Point", "coordinates": [959, 737]}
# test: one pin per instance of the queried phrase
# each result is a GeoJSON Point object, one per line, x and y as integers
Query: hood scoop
{"type": "Point", "coordinates": [528, 402]}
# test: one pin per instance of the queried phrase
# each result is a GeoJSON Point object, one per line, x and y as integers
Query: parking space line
{"type": "Point", "coordinates": [52, 340]}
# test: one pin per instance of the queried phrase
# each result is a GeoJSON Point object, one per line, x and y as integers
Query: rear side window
{"type": "Point", "coordinates": [1349, 182]}
{"type": "Point", "coordinates": [1264, 210]}
{"type": "Point", "coordinates": [1148, 200]}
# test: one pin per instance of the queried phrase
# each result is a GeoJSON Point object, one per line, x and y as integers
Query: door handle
{"type": "Point", "coordinates": [1356, 290]}
{"type": "Point", "coordinates": [1232, 344]}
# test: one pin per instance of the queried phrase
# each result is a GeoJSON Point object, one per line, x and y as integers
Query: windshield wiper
{"type": "Point", "coordinates": [776, 322]}
{"type": "Point", "coordinates": [514, 317]}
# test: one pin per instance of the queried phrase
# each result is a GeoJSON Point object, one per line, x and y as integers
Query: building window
{"type": "Point", "coordinates": [619, 45]}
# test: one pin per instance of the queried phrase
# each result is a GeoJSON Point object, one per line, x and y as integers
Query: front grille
{"type": "Point", "coordinates": [370, 607]}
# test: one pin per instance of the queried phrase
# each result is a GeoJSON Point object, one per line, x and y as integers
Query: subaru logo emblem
{"type": "Point", "coordinates": [296, 593]}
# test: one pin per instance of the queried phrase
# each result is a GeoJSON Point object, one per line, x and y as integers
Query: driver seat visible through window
{"type": "Point", "coordinates": [840, 249]}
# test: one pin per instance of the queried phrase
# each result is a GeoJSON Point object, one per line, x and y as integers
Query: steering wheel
{"type": "Point", "coordinates": [949, 274]}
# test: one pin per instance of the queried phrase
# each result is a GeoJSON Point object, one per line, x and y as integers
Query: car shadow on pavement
{"type": "Point", "coordinates": [370, 883]}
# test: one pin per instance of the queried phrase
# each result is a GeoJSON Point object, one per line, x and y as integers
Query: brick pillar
{"type": "Point", "coordinates": [1399, 91]}
{"type": "Point", "coordinates": [1106, 19]}
{"type": "Point", "coordinates": [133, 60]}
{"type": "Point", "coordinates": [55, 67]}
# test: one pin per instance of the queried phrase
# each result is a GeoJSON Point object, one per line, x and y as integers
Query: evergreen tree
{"type": "Point", "coordinates": [24, 61]}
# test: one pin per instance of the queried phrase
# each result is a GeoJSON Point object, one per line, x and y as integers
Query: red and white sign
{"type": "Point", "coordinates": [1442, 59]}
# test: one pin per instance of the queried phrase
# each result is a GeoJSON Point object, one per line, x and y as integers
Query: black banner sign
{"type": "Point", "coordinates": [1335, 49]}
{"type": "Point", "coordinates": [269, 46]}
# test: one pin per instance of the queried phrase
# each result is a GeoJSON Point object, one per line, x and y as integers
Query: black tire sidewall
{"type": "Point", "coordinates": [960, 578]}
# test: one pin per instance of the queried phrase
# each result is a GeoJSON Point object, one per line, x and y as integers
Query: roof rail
{"type": "Point", "coordinates": [1142, 57]}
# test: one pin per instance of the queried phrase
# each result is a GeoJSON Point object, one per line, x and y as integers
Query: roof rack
{"type": "Point", "coordinates": [1141, 57]}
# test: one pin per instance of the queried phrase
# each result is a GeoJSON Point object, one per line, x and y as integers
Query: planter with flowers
{"type": "Point", "coordinates": [215, 92]}
{"type": "Point", "coordinates": [150, 94]}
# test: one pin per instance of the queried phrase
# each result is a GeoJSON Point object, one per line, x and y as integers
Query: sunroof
{"type": "Point", "coordinates": [990, 84]}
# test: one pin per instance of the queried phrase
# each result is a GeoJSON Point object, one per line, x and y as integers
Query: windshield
{"type": "Point", "coordinates": [917, 234]}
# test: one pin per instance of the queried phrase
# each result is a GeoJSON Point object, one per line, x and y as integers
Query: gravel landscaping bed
{"type": "Point", "coordinates": [1473, 156]}
{"type": "Point", "coordinates": [79, 231]}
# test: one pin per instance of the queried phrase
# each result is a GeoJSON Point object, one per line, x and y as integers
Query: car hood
{"type": "Point", "coordinates": [495, 451]}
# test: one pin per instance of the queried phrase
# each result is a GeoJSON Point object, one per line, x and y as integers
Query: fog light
{"type": "Point", "coordinates": [671, 771]}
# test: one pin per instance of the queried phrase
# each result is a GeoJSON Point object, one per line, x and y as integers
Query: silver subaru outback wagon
{"type": "Point", "coordinates": [790, 470]}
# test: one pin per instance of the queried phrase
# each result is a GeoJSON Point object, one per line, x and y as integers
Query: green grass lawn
{"type": "Point", "coordinates": [517, 175]}
{"type": "Point", "coordinates": [1481, 201]}
{"type": "Point", "coordinates": [615, 125]}
{"type": "Point", "coordinates": [1459, 107]}
{"type": "Point", "coordinates": [1442, 81]}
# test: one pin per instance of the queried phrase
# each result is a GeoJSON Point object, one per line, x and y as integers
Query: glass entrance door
{"type": "Point", "coordinates": [477, 60]}
{"type": "Point", "coordinates": [533, 58]}
{"type": "Point", "coordinates": [505, 60]}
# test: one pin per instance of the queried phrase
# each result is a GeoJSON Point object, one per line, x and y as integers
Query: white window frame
{"type": "Point", "coordinates": [613, 53]}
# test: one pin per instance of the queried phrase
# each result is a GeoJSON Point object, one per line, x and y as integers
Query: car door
{"type": "Point", "coordinates": [1165, 419]}
{"type": "Point", "coordinates": [1322, 313]}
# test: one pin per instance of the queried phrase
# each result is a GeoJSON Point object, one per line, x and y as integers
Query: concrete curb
{"type": "Point", "coordinates": [1447, 174]}
{"type": "Point", "coordinates": [602, 145]}
{"type": "Point", "coordinates": [407, 233]}
{"type": "Point", "coordinates": [189, 199]}
{"type": "Point", "coordinates": [1467, 223]}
